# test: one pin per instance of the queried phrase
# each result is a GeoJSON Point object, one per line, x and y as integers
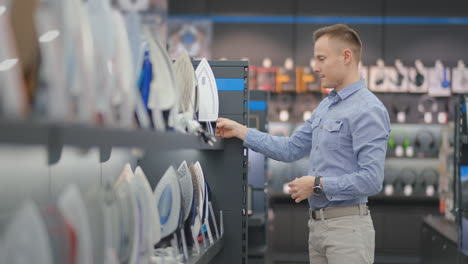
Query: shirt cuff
{"type": "Point", "coordinates": [330, 187]}
{"type": "Point", "coordinates": [252, 138]}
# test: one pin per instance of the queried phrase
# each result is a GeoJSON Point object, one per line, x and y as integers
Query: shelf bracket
{"type": "Point", "coordinates": [54, 145]}
{"type": "Point", "coordinates": [104, 153]}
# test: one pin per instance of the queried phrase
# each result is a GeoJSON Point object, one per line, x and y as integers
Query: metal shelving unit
{"type": "Point", "coordinates": [224, 165]}
{"type": "Point", "coordinates": [460, 164]}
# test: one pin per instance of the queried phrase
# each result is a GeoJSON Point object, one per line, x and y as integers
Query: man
{"type": "Point", "coordinates": [346, 138]}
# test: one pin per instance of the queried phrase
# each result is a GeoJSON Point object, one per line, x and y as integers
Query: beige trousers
{"type": "Point", "coordinates": [342, 240]}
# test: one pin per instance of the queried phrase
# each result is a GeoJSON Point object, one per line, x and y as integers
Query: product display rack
{"type": "Point", "coordinates": [460, 163]}
{"type": "Point", "coordinates": [224, 164]}
{"type": "Point", "coordinates": [225, 168]}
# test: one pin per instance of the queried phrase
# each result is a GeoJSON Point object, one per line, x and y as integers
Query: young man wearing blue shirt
{"type": "Point", "coordinates": [346, 139]}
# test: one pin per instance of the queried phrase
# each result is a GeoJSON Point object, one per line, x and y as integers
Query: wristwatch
{"type": "Point", "coordinates": [317, 188]}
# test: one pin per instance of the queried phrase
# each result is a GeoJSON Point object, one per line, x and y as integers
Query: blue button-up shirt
{"type": "Point", "coordinates": [346, 138]}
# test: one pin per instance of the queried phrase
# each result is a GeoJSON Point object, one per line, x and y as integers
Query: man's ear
{"type": "Point", "coordinates": [348, 56]}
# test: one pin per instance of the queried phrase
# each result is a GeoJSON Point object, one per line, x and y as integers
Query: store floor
{"type": "Point", "coordinates": [301, 259]}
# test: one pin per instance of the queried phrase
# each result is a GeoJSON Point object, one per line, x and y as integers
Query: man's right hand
{"type": "Point", "coordinates": [227, 128]}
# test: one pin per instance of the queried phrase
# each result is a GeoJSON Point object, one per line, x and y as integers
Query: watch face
{"type": "Point", "coordinates": [318, 190]}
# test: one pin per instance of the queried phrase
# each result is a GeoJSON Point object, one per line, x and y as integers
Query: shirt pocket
{"type": "Point", "coordinates": [315, 130]}
{"type": "Point", "coordinates": [314, 126]}
{"type": "Point", "coordinates": [332, 137]}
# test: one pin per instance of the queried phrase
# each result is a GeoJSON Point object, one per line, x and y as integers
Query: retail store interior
{"type": "Point", "coordinates": [108, 145]}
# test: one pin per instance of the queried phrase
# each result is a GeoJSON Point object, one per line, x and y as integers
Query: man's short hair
{"type": "Point", "coordinates": [343, 33]}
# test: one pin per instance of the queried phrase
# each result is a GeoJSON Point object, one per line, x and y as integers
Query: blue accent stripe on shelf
{"type": "Point", "coordinates": [230, 84]}
{"type": "Point", "coordinates": [339, 20]}
{"type": "Point", "coordinates": [190, 17]}
{"type": "Point", "coordinates": [427, 20]}
{"type": "Point", "coordinates": [329, 20]}
{"type": "Point", "coordinates": [257, 105]}
{"type": "Point", "coordinates": [254, 19]}
{"type": "Point", "coordinates": [464, 173]}
{"type": "Point", "coordinates": [464, 108]}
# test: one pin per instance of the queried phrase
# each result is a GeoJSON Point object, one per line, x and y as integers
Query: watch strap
{"type": "Point", "coordinates": [317, 181]}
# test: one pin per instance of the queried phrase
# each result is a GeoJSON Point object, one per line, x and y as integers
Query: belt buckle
{"type": "Point", "coordinates": [316, 215]}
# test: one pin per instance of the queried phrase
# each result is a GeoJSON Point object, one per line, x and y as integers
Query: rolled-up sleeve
{"type": "Point", "coordinates": [370, 129]}
{"type": "Point", "coordinates": [285, 149]}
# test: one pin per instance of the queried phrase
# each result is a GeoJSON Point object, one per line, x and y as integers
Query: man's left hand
{"type": "Point", "coordinates": [301, 188]}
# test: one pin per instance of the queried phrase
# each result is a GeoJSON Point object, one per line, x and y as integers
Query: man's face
{"type": "Point", "coordinates": [329, 62]}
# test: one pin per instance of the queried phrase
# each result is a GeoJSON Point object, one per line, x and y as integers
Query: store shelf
{"type": "Point", "coordinates": [443, 226]}
{"type": "Point", "coordinates": [24, 132]}
{"type": "Point", "coordinates": [30, 132]}
{"type": "Point", "coordinates": [382, 199]}
{"type": "Point", "coordinates": [281, 197]}
{"type": "Point", "coordinates": [57, 135]}
{"type": "Point", "coordinates": [207, 254]}
{"type": "Point", "coordinates": [88, 137]}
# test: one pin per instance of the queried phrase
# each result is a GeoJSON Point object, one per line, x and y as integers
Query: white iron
{"type": "Point", "coordinates": [73, 208]}
{"type": "Point", "coordinates": [27, 223]}
{"type": "Point", "coordinates": [208, 94]}
{"type": "Point", "coordinates": [167, 195]}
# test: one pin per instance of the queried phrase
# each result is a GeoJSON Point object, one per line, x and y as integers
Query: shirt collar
{"type": "Point", "coordinates": [350, 89]}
